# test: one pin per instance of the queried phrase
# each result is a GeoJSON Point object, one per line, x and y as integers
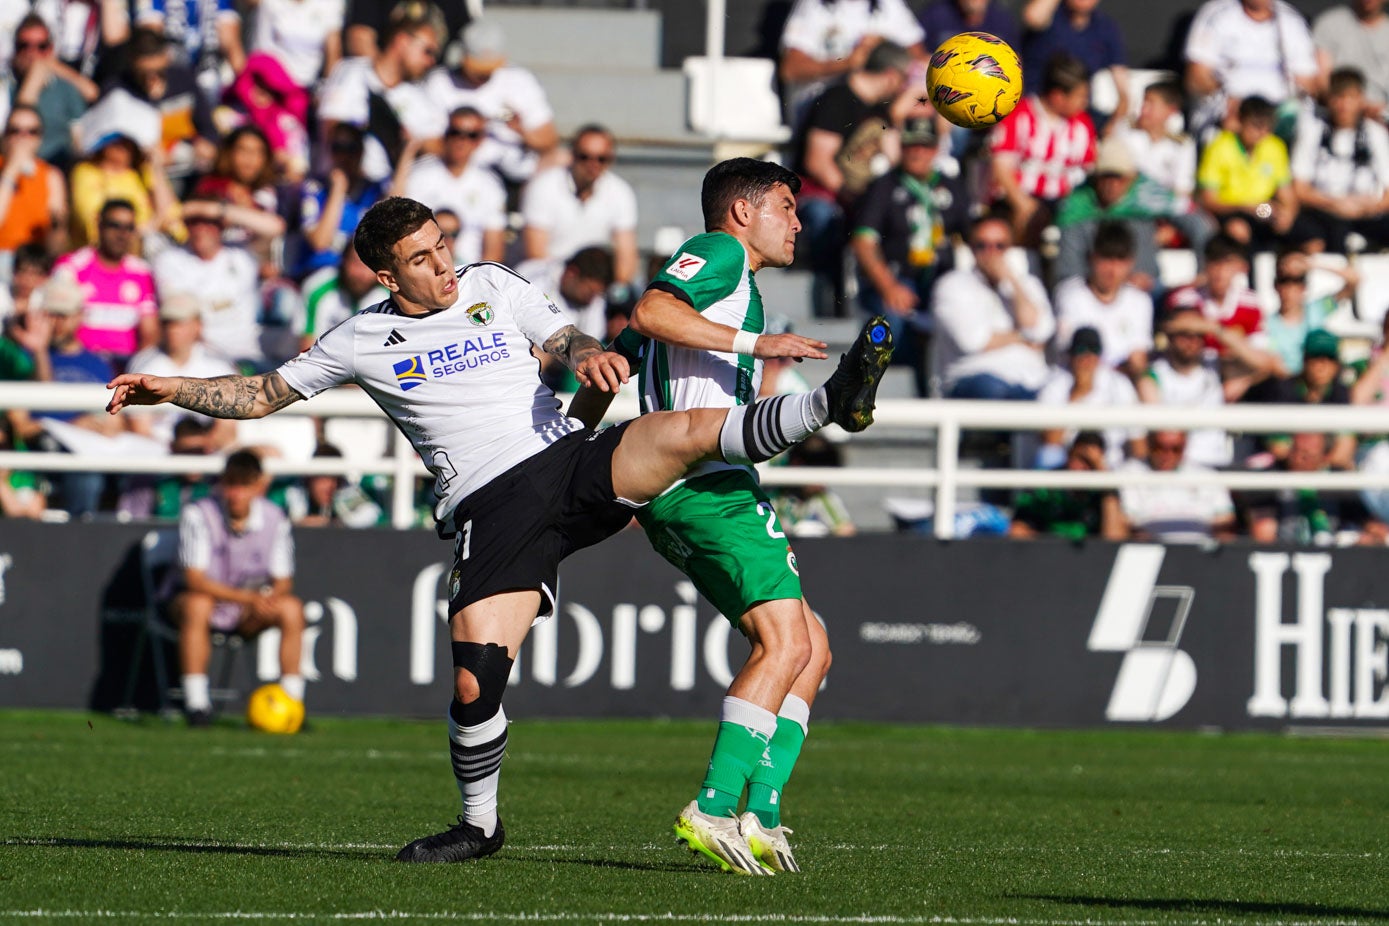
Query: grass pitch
{"type": "Point", "coordinates": [104, 820]}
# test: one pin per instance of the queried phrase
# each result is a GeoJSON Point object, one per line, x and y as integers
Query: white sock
{"type": "Point", "coordinates": [293, 686]}
{"type": "Point", "coordinates": [477, 753]}
{"type": "Point", "coordinates": [195, 693]}
{"type": "Point", "coordinates": [795, 709]}
{"type": "Point", "coordinates": [745, 714]}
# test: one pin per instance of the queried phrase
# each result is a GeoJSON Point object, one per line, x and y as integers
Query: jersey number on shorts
{"type": "Point", "coordinates": [772, 532]}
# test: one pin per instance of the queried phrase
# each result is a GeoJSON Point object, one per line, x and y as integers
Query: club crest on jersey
{"type": "Point", "coordinates": [480, 314]}
{"type": "Point", "coordinates": [409, 373]}
{"type": "Point", "coordinates": [684, 266]}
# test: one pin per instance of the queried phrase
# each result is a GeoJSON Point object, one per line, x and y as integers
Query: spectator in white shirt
{"type": "Point", "coordinates": [522, 137]}
{"type": "Point", "coordinates": [577, 286]}
{"type": "Point", "coordinates": [1175, 513]}
{"type": "Point", "coordinates": [1088, 380]}
{"type": "Point", "coordinates": [227, 279]}
{"type": "Point", "coordinates": [305, 36]}
{"type": "Point", "coordinates": [458, 184]}
{"type": "Point", "coordinates": [1105, 300]}
{"type": "Point", "coordinates": [1185, 376]}
{"type": "Point", "coordinates": [583, 205]}
{"type": "Point", "coordinates": [1159, 152]}
{"type": "Point", "coordinates": [992, 322]}
{"type": "Point", "coordinates": [181, 352]}
{"type": "Point", "coordinates": [1356, 34]}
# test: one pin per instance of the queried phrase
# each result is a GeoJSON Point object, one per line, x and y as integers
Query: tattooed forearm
{"type": "Point", "coordinates": [572, 346]}
{"type": "Point", "coordinates": [235, 396]}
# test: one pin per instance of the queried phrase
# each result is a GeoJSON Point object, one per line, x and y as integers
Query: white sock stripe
{"type": "Point", "coordinates": [482, 733]}
{"type": "Point", "coordinates": [795, 709]}
{"type": "Point", "coordinates": [747, 714]}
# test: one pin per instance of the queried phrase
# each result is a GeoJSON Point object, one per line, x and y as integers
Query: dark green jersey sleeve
{"type": "Point", "coordinates": [706, 269]}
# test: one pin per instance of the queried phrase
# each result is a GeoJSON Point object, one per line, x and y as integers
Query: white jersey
{"type": "Point", "coordinates": [460, 383]}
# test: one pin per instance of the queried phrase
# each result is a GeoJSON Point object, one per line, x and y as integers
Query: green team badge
{"type": "Point", "coordinates": [480, 314]}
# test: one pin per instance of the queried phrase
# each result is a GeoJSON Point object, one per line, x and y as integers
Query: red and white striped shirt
{"type": "Point", "coordinates": [1051, 154]}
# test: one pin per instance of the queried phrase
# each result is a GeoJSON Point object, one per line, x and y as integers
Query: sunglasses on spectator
{"type": "Point", "coordinates": [44, 45]}
{"type": "Point", "coordinates": [119, 226]}
{"type": "Point", "coordinates": [1279, 281]}
{"type": "Point", "coordinates": [33, 130]}
{"type": "Point", "coordinates": [470, 134]}
{"type": "Point", "coordinates": [989, 245]}
{"type": "Point", "coordinates": [600, 158]}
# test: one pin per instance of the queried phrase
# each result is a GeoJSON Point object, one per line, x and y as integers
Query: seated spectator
{"type": "Point", "coordinates": [303, 36]}
{"type": "Point", "coordinates": [1175, 513]}
{"type": "Point", "coordinates": [120, 316]}
{"type": "Point", "coordinates": [826, 40]}
{"type": "Point", "coordinates": [357, 88]}
{"type": "Point", "coordinates": [237, 559]}
{"type": "Point", "coordinates": [56, 92]}
{"type": "Point", "coordinates": [1079, 28]}
{"type": "Point", "coordinates": [1043, 149]}
{"type": "Point", "coordinates": [368, 23]}
{"type": "Point", "coordinates": [1185, 376]}
{"type": "Point", "coordinates": [844, 130]}
{"type": "Point", "coordinates": [521, 137]}
{"type": "Point", "coordinates": [333, 205]}
{"type": "Point", "coordinates": [1071, 513]}
{"type": "Point", "coordinates": [330, 501]}
{"type": "Point", "coordinates": [1318, 383]}
{"type": "Point", "coordinates": [1356, 35]}
{"type": "Point", "coordinates": [458, 183]}
{"type": "Point", "coordinates": [227, 281]}
{"type": "Point", "coordinates": [583, 205]}
{"type": "Point", "coordinates": [181, 352]}
{"type": "Point", "coordinates": [33, 193]}
{"type": "Point", "coordinates": [897, 243]}
{"type": "Point", "coordinates": [944, 19]}
{"type": "Point", "coordinates": [32, 266]}
{"type": "Point", "coordinates": [1245, 181]}
{"type": "Point", "coordinates": [1103, 299]}
{"type": "Point", "coordinates": [1297, 314]}
{"type": "Point", "coordinates": [22, 493]}
{"type": "Point", "coordinates": [334, 294]}
{"type": "Point", "coordinates": [1087, 380]}
{"type": "Point", "coordinates": [1340, 170]}
{"type": "Point", "coordinates": [163, 498]}
{"type": "Point", "coordinates": [116, 168]}
{"type": "Point", "coordinates": [813, 510]}
{"type": "Point", "coordinates": [992, 323]}
{"type": "Point", "coordinates": [188, 136]}
{"type": "Point", "coordinates": [243, 179]}
{"type": "Point", "coordinates": [576, 286]}
{"type": "Point", "coordinates": [203, 36]}
{"type": "Point", "coordinates": [1238, 49]}
{"type": "Point", "coordinates": [1306, 517]}
{"type": "Point", "coordinates": [1161, 155]}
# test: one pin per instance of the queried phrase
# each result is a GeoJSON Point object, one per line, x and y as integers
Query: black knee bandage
{"type": "Point", "coordinates": [491, 666]}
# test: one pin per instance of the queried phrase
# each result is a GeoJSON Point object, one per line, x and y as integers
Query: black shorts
{"type": "Point", "coordinates": [512, 533]}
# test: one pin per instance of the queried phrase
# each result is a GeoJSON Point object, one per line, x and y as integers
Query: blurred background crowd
{"type": "Point", "coordinates": [180, 181]}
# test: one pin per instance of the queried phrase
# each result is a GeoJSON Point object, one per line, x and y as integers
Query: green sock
{"type": "Point", "coordinates": [744, 732]}
{"type": "Point", "coordinates": [774, 770]}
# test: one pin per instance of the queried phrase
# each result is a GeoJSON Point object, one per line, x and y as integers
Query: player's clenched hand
{"type": "Point", "coordinates": [139, 389]}
{"type": "Point", "coordinates": [789, 345]}
{"type": "Point", "coordinates": [605, 371]}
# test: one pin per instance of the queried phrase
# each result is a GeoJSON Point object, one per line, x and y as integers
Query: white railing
{"type": "Point", "coordinates": [946, 417]}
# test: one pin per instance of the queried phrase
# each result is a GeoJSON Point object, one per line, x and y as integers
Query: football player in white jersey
{"type": "Point", "coordinates": [520, 486]}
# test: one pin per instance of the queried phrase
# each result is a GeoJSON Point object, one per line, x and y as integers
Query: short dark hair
{"type": "Point", "coordinates": [593, 263]}
{"type": "Point", "coordinates": [111, 205]}
{"type": "Point", "coordinates": [1223, 247]}
{"type": "Point", "coordinates": [1089, 439]}
{"type": "Point", "coordinates": [1113, 240]}
{"type": "Point", "coordinates": [887, 56]}
{"type": "Point", "coordinates": [242, 468]}
{"type": "Point", "coordinates": [592, 128]}
{"type": "Point", "coordinates": [1343, 79]}
{"type": "Point", "coordinates": [1256, 109]}
{"type": "Point", "coordinates": [33, 21]}
{"type": "Point", "coordinates": [36, 256]}
{"type": "Point", "coordinates": [1169, 91]}
{"type": "Point", "coordinates": [466, 111]}
{"type": "Point", "coordinates": [146, 42]}
{"type": "Point", "coordinates": [1063, 71]}
{"type": "Point", "coordinates": [386, 223]}
{"type": "Point", "coordinates": [740, 178]}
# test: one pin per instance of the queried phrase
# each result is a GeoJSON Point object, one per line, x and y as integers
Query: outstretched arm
{"type": "Point", "coordinates": [218, 397]}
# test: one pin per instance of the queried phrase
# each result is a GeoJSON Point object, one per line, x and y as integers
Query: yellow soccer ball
{"type": "Point", "coordinates": [271, 710]}
{"type": "Point", "coordinates": [975, 79]}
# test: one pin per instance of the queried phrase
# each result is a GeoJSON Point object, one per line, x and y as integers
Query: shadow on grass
{"type": "Point", "coordinates": [616, 864]}
{"type": "Point", "coordinates": [1192, 905]}
{"type": "Point", "coordinates": [175, 844]}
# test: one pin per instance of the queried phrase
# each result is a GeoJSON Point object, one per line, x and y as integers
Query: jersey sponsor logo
{"type": "Point", "coordinates": [409, 373]}
{"type": "Point", "coordinates": [684, 266]}
{"type": "Point", "coordinates": [480, 314]}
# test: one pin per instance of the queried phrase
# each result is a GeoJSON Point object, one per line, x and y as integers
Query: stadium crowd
{"type": "Point", "coordinates": [180, 181]}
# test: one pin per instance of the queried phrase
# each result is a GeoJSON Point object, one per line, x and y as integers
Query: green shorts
{"type": "Point", "coordinates": [721, 531]}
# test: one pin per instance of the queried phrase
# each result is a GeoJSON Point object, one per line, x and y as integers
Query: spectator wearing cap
{"type": "Point", "coordinates": [228, 281]}
{"type": "Point", "coordinates": [521, 135]}
{"type": "Point", "coordinates": [1244, 179]}
{"type": "Point", "coordinates": [1318, 383]}
{"type": "Point", "coordinates": [1044, 147]}
{"type": "Point", "coordinates": [897, 236]}
{"type": "Point", "coordinates": [120, 316]}
{"type": "Point", "coordinates": [1170, 513]}
{"type": "Point", "coordinates": [459, 183]}
{"type": "Point", "coordinates": [1087, 380]}
{"type": "Point", "coordinates": [33, 193]}
{"type": "Point", "coordinates": [57, 93]}
{"type": "Point", "coordinates": [1105, 300]}
{"type": "Point", "coordinates": [182, 352]}
{"type": "Point", "coordinates": [992, 322]}
{"type": "Point", "coordinates": [583, 205]}
{"type": "Point", "coordinates": [354, 90]}
{"type": "Point", "coordinates": [1080, 28]}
